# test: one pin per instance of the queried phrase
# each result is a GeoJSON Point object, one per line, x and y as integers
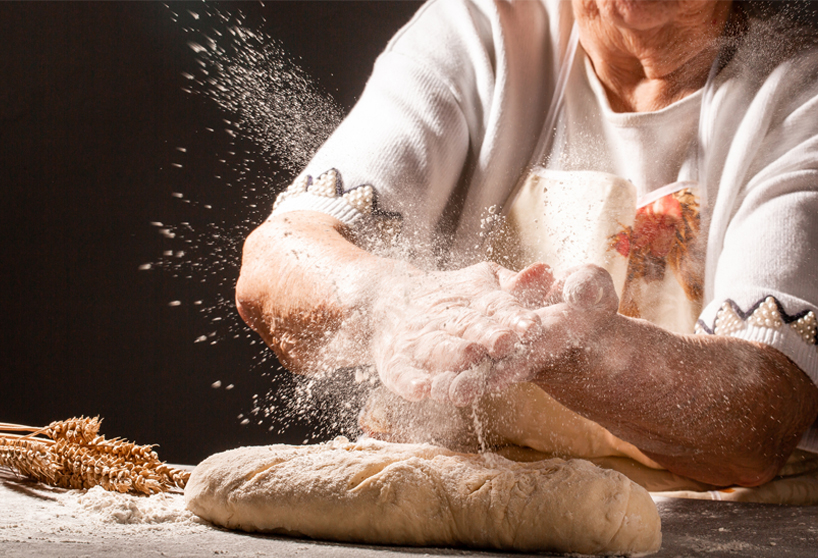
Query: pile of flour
{"type": "Point", "coordinates": [112, 507]}
{"type": "Point", "coordinates": [35, 512]}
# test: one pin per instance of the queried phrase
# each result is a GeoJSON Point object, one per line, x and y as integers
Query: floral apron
{"type": "Point", "coordinates": [651, 247]}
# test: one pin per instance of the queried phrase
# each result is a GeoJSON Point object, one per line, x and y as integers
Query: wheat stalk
{"type": "Point", "coordinates": [74, 455]}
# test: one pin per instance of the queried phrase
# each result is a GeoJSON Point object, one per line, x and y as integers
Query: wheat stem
{"type": "Point", "coordinates": [18, 427]}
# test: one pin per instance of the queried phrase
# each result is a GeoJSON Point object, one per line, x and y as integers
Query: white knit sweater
{"type": "Point", "coordinates": [453, 112]}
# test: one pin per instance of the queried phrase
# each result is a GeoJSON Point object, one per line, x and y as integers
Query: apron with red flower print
{"type": "Point", "coordinates": [650, 246]}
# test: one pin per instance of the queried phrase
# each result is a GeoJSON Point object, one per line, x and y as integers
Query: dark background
{"type": "Point", "coordinates": [92, 113]}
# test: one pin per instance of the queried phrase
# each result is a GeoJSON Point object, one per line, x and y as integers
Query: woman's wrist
{"type": "Point", "coordinates": [363, 288]}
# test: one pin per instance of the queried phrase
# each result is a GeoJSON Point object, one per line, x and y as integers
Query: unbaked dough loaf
{"type": "Point", "coordinates": [423, 495]}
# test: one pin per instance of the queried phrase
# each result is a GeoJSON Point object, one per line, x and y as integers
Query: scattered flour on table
{"type": "Point", "coordinates": [114, 507]}
{"type": "Point", "coordinates": [33, 512]}
{"type": "Point", "coordinates": [703, 545]}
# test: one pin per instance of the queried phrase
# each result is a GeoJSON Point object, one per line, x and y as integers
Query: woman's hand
{"type": "Point", "coordinates": [436, 334]}
{"type": "Point", "coordinates": [319, 302]}
{"type": "Point", "coordinates": [574, 311]}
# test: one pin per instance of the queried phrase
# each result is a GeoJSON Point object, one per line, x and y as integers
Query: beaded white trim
{"type": "Point", "coordinates": [795, 336]}
{"type": "Point", "coordinates": [328, 185]}
{"type": "Point", "coordinates": [767, 315]}
{"type": "Point", "coordinates": [335, 207]}
{"type": "Point", "coordinates": [326, 194]}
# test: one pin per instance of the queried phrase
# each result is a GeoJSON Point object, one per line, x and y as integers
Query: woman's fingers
{"type": "Point", "coordinates": [440, 386]}
{"type": "Point", "coordinates": [463, 388]}
{"type": "Point", "coordinates": [473, 326]}
{"type": "Point", "coordinates": [504, 309]}
{"type": "Point", "coordinates": [427, 364]}
{"type": "Point", "coordinates": [401, 377]}
{"type": "Point", "coordinates": [529, 286]}
{"type": "Point", "coordinates": [590, 287]}
{"type": "Point", "coordinates": [494, 319]}
{"type": "Point", "coordinates": [469, 385]}
{"type": "Point", "coordinates": [438, 351]}
{"type": "Point", "coordinates": [496, 338]}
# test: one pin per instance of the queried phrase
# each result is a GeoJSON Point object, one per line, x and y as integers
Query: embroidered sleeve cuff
{"type": "Point", "coordinates": [357, 207]}
{"type": "Point", "coordinates": [767, 322]}
{"type": "Point", "coordinates": [326, 194]}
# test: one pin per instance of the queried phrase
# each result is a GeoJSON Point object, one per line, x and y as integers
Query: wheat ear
{"type": "Point", "coordinates": [75, 455]}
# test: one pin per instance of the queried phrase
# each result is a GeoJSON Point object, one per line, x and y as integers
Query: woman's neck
{"type": "Point", "coordinates": [651, 58]}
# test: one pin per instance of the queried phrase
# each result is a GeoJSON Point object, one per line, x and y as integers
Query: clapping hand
{"type": "Point", "coordinates": [437, 334]}
{"type": "Point", "coordinates": [452, 335]}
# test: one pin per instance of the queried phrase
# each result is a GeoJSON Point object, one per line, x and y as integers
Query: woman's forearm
{"type": "Point", "coordinates": [721, 410]}
{"type": "Point", "coordinates": [305, 288]}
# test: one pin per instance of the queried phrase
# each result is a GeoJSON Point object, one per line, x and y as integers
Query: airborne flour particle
{"type": "Point", "coordinates": [275, 117]}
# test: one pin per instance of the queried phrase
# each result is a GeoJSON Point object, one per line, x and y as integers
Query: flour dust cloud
{"type": "Point", "coordinates": [275, 118]}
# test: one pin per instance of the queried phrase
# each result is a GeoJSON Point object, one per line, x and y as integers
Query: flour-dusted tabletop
{"type": "Point", "coordinates": [39, 521]}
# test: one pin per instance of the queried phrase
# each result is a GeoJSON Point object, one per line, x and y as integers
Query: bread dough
{"type": "Point", "coordinates": [521, 415]}
{"type": "Point", "coordinates": [423, 495]}
{"type": "Point", "coordinates": [523, 423]}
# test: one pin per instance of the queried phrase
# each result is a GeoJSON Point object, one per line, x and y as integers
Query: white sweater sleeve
{"type": "Point", "coordinates": [404, 145]}
{"type": "Point", "coordinates": [762, 269]}
{"type": "Point", "coordinates": [770, 264]}
{"type": "Point", "coordinates": [763, 249]}
{"type": "Point", "coordinates": [448, 119]}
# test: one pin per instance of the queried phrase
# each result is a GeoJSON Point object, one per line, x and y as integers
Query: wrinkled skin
{"type": "Point", "coordinates": [649, 54]}
{"type": "Point", "coordinates": [434, 329]}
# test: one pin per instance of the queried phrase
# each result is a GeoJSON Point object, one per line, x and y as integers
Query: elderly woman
{"type": "Point", "coordinates": [608, 208]}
